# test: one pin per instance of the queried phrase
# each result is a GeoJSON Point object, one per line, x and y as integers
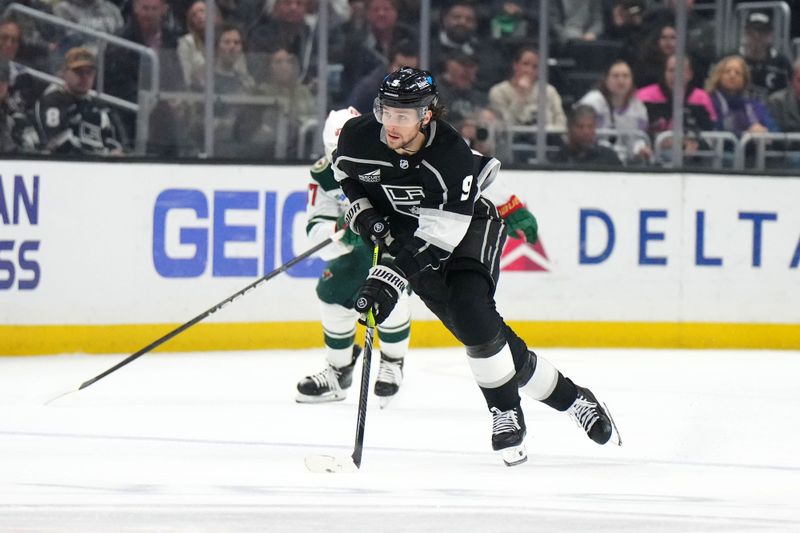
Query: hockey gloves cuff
{"type": "Point", "coordinates": [380, 292]}
{"type": "Point", "coordinates": [350, 237]}
{"type": "Point", "coordinates": [365, 220]}
{"type": "Point", "coordinates": [519, 220]}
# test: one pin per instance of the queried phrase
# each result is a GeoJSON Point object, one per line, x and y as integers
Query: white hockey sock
{"type": "Point", "coordinates": [493, 371]}
{"type": "Point", "coordinates": [543, 381]}
{"type": "Point", "coordinates": [339, 326]}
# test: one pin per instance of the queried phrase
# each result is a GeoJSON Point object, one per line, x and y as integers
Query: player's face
{"type": "Point", "coordinates": [401, 125]}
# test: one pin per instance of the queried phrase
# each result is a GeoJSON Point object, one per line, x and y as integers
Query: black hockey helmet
{"type": "Point", "coordinates": [409, 88]}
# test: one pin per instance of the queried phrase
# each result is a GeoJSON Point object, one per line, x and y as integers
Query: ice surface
{"type": "Point", "coordinates": [214, 443]}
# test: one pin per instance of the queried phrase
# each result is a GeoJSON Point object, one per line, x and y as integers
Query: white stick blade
{"type": "Point", "coordinates": [321, 464]}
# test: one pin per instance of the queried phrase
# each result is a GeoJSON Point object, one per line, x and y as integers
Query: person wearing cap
{"type": "Point", "coordinates": [70, 119]}
{"type": "Point", "coordinates": [769, 69]}
{"type": "Point", "coordinates": [17, 134]}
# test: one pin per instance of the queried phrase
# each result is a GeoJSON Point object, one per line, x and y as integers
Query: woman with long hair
{"type": "Point", "coordinates": [618, 108]}
{"type": "Point", "coordinates": [736, 111]}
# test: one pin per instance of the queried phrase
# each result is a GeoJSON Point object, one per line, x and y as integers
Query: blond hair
{"type": "Point", "coordinates": [712, 83]}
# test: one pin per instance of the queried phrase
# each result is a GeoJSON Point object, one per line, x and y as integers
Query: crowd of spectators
{"type": "Point", "coordinates": [612, 62]}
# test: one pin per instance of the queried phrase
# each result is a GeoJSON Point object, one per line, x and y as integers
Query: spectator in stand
{"type": "Point", "coordinates": [369, 50]}
{"type": "Point", "coordinates": [231, 80]}
{"type": "Point", "coordinates": [192, 48]}
{"type": "Point", "coordinates": [736, 111]}
{"type": "Point", "coordinates": [784, 105]}
{"type": "Point", "coordinates": [769, 69]}
{"type": "Point", "coordinates": [581, 146]}
{"type": "Point", "coordinates": [98, 15]}
{"type": "Point", "coordinates": [148, 27]}
{"type": "Point", "coordinates": [282, 24]}
{"type": "Point", "coordinates": [698, 111]}
{"type": "Point", "coordinates": [281, 124]}
{"type": "Point", "coordinates": [36, 46]}
{"type": "Point", "coordinates": [23, 89]}
{"type": "Point", "coordinates": [283, 82]}
{"type": "Point", "coordinates": [403, 54]}
{"type": "Point", "coordinates": [230, 72]}
{"type": "Point", "coordinates": [625, 26]}
{"type": "Point", "coordinates": [458, 32]}
{"type": "Point", "coordinates": [648, 67]}
{"type": "Point", "coordinates": [700, 32]}
{"type": "Point", "coordinates": [17, 134]}
{"type": "Point", "coordinates": [513, 21]}
{"type": "Point", "coordinates": [577, 20]}
{"type": "Point", "coordinates": [456, 85]}
{"type": "Point", "coordinates": [516, 100]}
{"type": "Point", "coordinates": [70, 120]}
{"type": "Point", "coordinates": [477, 129]}
{"type": "Point", "coordinates": [618, 108]}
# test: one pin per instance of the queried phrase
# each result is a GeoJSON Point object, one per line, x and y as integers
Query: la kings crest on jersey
{"type": "Point", "coordinates": [405, 200]}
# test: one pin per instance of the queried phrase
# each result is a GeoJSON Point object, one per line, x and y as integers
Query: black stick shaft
{"type": "Point", "coordinates": [180, 329]}
{"type": "Point", "coordinates": [361, 417]}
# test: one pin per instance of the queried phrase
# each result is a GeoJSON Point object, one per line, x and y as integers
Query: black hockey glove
{"type": "Point", "coordinates": [385, 283]}
{"type": "Point", "coordinates": [365, 220]}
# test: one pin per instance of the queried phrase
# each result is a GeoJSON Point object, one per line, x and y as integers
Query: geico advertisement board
{"type": "Point", "coordinates": [147, 243]}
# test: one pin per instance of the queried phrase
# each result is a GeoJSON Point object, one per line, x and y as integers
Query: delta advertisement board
{"type": "Point", "coordinates": [112, 243]}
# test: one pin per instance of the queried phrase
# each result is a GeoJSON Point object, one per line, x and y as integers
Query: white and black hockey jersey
{"type": "Point", "coordinates": [428, 197]}
{"type": "Point", "coordinates": [69, 124]}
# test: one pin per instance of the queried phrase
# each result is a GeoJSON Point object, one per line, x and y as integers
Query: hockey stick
{"type": "Point", "coordinates": [334, 464]}
{"type": "Point", "coordinates": [180, 329]}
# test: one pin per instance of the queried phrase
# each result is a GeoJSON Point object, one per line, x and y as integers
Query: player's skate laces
{"type": "Point", "coordinates": [508, 434]}
{"type": "Point", "coordinates": [390, 376]}
{"type": "Point", "coordinates": [594, 418]}
{"type": "Point", "coordinates": [327, 385]}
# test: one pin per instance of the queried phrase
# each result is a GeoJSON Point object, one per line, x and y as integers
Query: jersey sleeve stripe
{"type": "Point", "coordinates": [442, 228]}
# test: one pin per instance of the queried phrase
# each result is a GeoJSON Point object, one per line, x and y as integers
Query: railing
{"type": "Point", "coordinates": [761, 141]}
{"type": "Point", "coordinates": [142, 107]}
{"type": "Point", "coordinates": [722, 146]}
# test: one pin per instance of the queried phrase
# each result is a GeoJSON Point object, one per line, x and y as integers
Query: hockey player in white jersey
{"type": "Point", "coordinates": [349, 260]}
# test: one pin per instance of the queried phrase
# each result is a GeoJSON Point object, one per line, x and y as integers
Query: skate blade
{"type": "Point", "coordinates": [330, 464]}
{"type": "Point", "coordinates": [515, 455]}
{"type": "Point", "coordinates": [615, 436]}
{"type": "Point", "coordinates": [384, 401]}
{"type": "Point", "coordinates": [325, 398]}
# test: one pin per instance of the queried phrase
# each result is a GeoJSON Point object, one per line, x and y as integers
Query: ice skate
{"type": "Point", "coordinates": [390, 377]}
{"type": "Point", "coordinates": [508, 435]}
{"type": "Point", "coordinates": [328, 385]}
{"type": "Point", "coordinates": [594, 418]}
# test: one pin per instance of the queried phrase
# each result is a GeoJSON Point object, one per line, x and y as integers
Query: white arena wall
{"type": "Point", "coordinates": [107, 257]}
